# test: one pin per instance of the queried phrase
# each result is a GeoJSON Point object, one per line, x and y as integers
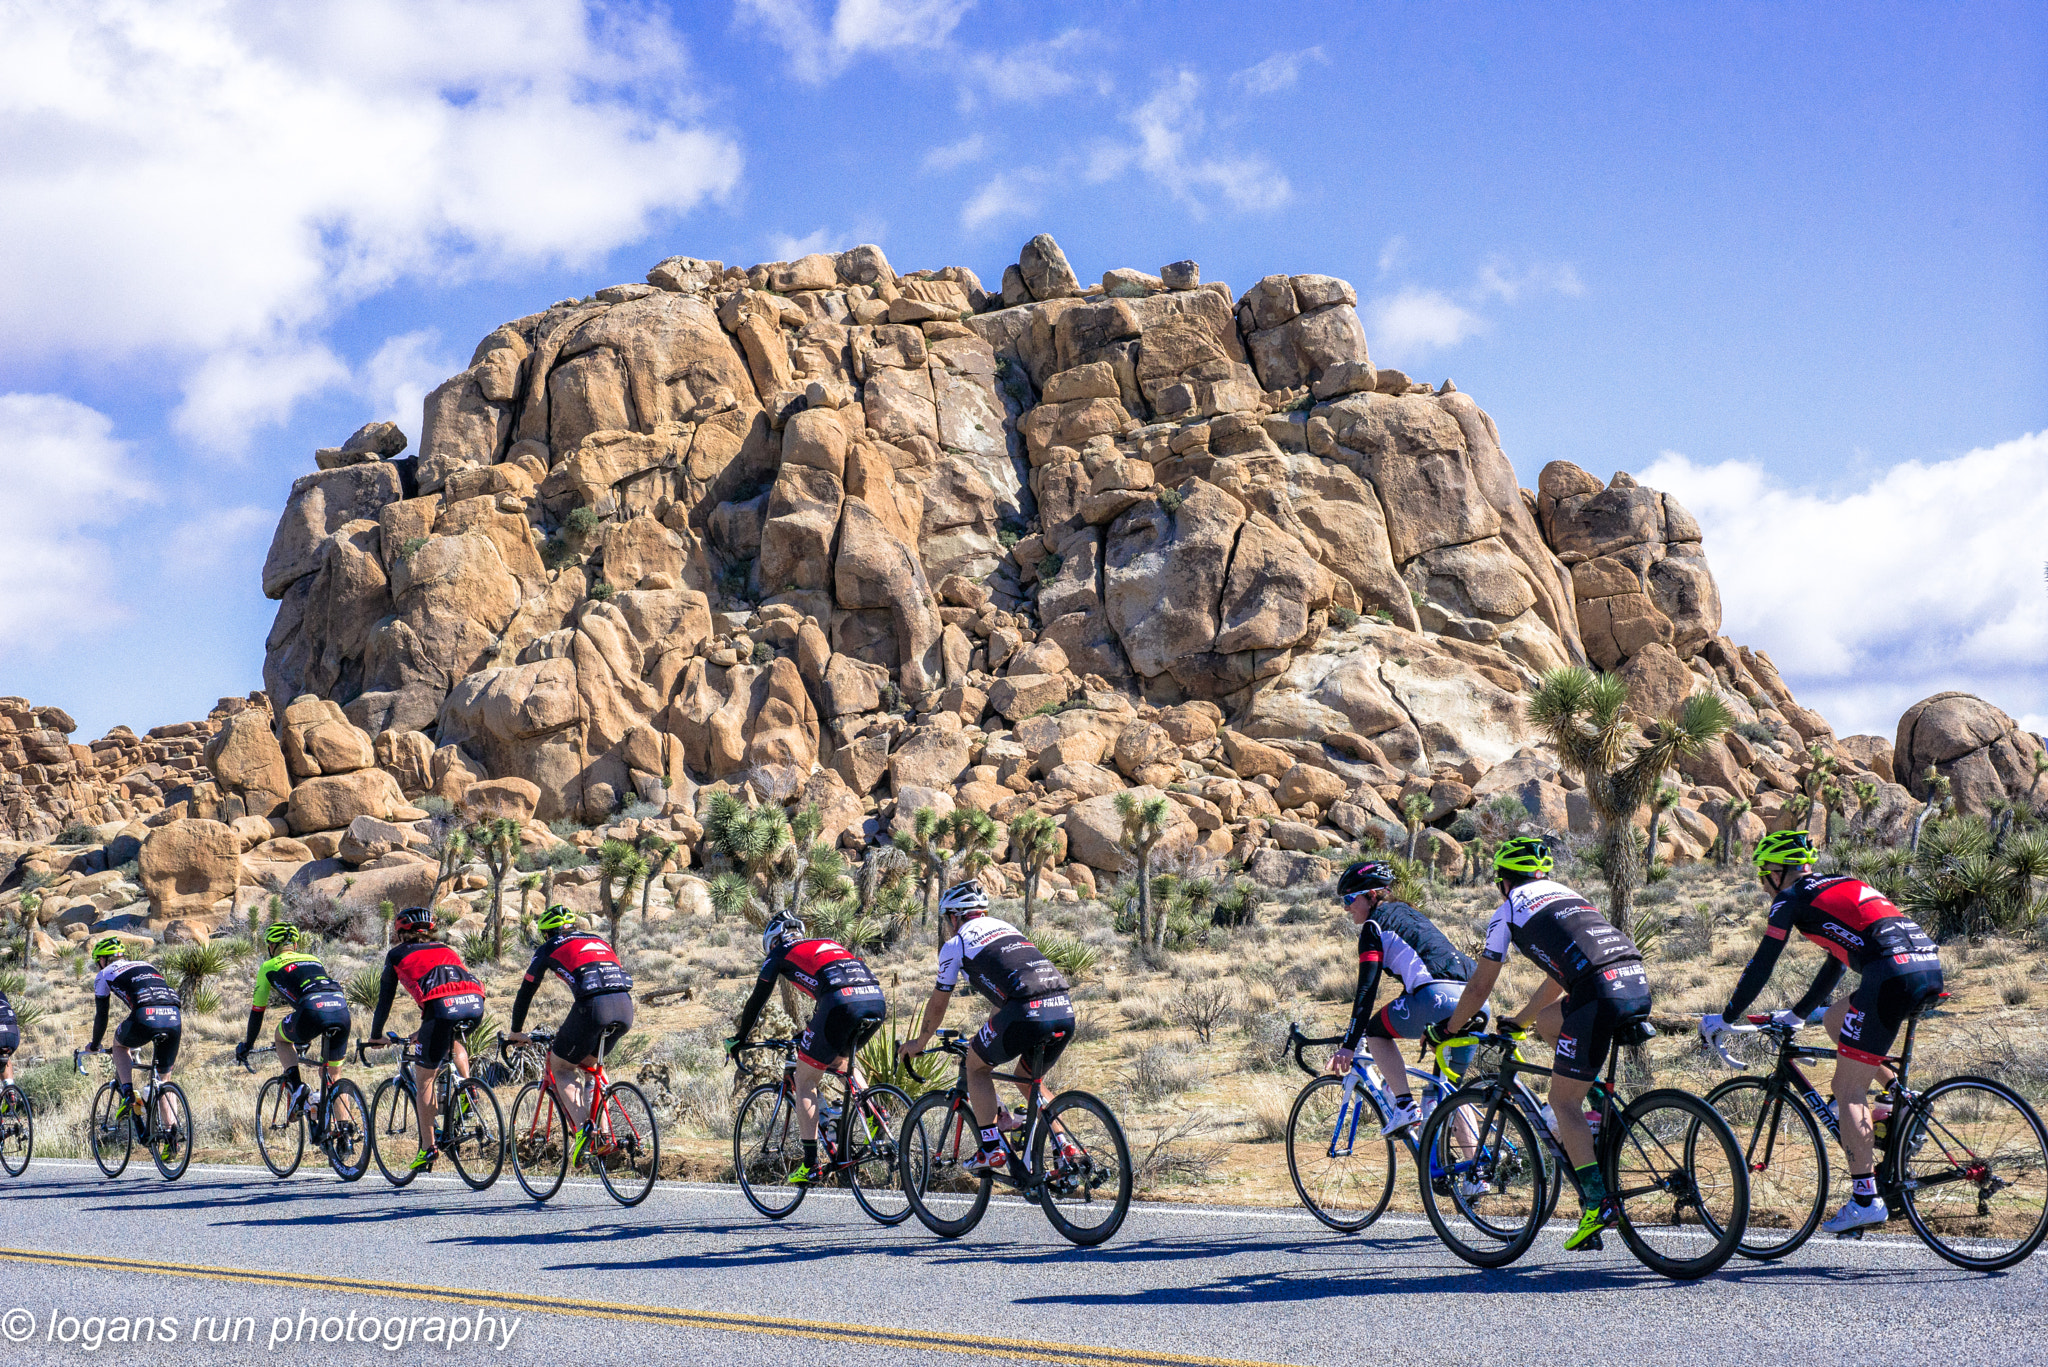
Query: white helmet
{"type": "Point", "coordinates": [963, 900]}
{"type": "Point", "coordinates": [783, 930]}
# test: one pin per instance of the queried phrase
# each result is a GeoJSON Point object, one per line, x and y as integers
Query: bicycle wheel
{"type": "Point", "coordinates": [1677, 1175]}
{"type": "Point", "coordinates": [473, 1133]}
{"type": "Point", "coordinates": [347, 1135]}
{"type": "Point", "coordinates": [938, 1138]}
{"type": "Point", "coordinates": [539, 1140]}
{"type": "Point", "coordinates": [867, 1145]}
{"type": "Point", "coordinates": [112, 1135]}
{"type": "Point", "coordinates": [280, 1135]}
{"type": "Point", "coordinates": [171, 1132]}
{"type": "Point", "coordinates": [767, 1147]}
{"type": "Point", "coordinates": [1083, 1165]}
{"type": "Point", "coordinates": [1787, 1161]}
{"type": "Point", "coordinates": [1973, 1161]}
{"type": "Point", "coordinates": [1342, 1170]}
{"type": "Point", "coordinates": [17, 1130]}
{"type": "Point", "coordinates": [394, 1129]}
{"type": "Point", "coordinates": [625, 1144]}
{"type": "Point", "coordinates": [1483, 1179]}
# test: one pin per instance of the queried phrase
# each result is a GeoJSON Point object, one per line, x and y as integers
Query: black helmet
{"type": "Point", "coordinates": [415, 918]}
{"type": "Point", "coordinates": [1368, 875]}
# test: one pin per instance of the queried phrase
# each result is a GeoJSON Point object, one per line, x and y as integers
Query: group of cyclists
{"type": "Point", "coordinates": [1594, 988]}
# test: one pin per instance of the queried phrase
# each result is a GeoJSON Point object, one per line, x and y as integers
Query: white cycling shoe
{"type": "Point", "coordinates": [1472, 1188]}
{"type": "Point", "coordinates": [1401, 1118]}
{"type": "Point", "coordinates": [1853, 1216]}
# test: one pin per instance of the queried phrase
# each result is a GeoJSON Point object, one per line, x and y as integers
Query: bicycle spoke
{"type": "Point", "coordinates": [1973, 1163]}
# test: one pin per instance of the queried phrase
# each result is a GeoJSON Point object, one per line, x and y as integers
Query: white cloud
{"type": "Point", "coordinates": [1012, 194]}
{"type": "Point", "coordinates": [785, 247]}
{"type": "Point", "coordinates": [231, 393]}
{"type": "Point", "coordinates": [971, 148]}
{"type": "Point", "coordinates": [1501, 279]}
{"type": "Point", "coordinates": [179, 180]}
{"type": "Point", "coordinates": [64, 472]}
{"type": "Point", "coordinates": [201, 551]}
{"type": "Point", "coordinates": [1278, 72]}
{"type": "Point", "coordinates": [1417, 320]}
{"type": "Point", "coordinates": [400, 375]}
{"type": "Point", "coordinates": [1169, 125]}
{"type": "Point", "coordinates": [1028, 73]}
{"type": "Point", "coordinates": [1393, 254]}
{"type": "Point", "coordinates": [820, 49]}
{"type": "Point", "coordinates": [1927, 579]}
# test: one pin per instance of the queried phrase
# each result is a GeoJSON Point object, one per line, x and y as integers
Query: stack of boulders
{"type": "Point", "coordinates": [827, 533]}
{"type": "Point", "coordinates": [48, 784]}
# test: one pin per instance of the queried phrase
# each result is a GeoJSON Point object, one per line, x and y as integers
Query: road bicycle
{"type": "Point", "coordinates": [17, 1129]}
{"type": "Point", "coordinates": [161, 1119]}
{"type": "Point", "coordinates": [857, 1142]}
{"type": "Point", "coordinates": [339, 1123]}
{"type": "Point", "coordinates": [1670, 1163]}
{"type": "Point", "coordinates": [1074, 1160]}
{"type": "Point", "coordinates": [1343, 1169]}
{"type": "Point", "coordinates": [470, 1127]}
{"type": "Point", "coordinates": [1965, 1161]}
{"type": "Point", "coordinates": [622, 1139]}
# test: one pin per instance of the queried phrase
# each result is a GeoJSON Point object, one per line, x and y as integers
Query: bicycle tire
{"type": "Point", "coordinates": [108, 1135]}
{"type": "Point", "coordinates": [539, 1140]}
{"type": "Point", "coordinates": [1105, 1154]}
{"type": "Point", "coordinates": [172, 1166]}
{"type": "Point", "coordinates": [280, 1135]}
{"type": "Point", "coordinates": [868, 1134]}
{"type": "Point", "coordinates": [766, 1148]}
{"type": "Point", "coordinates": [17, 1130]}
{"type": "Point", "coordinates": [1312, 1143]}
{"type": "Point", "coordinates": [346, 1136]}
{"type": "Point", "coordinates": [2024, 1155]}
{"type": "Point", "coordinates": [931, 1163]}
{"type": "Point", "coordinates": [473, 1130]}
{"type": "Point", "coordinates": [392, 1115]}
{"type": "Point", "coordinates": [629, 1122]}
{"type": "Point", "coordinates": [1779, 1136]}
{"type": "Point", "coordinates": [1506, 1153]}
{"type": "Point", "coordinates": [1675, 1151]}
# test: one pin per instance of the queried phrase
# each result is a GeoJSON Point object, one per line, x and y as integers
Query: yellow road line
{"type": "Point", "coordinates": [1077, 1355]}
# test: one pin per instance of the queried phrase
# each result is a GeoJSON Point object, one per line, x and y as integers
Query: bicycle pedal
{"type": "Point", "coordinates": [1596, 1244]}
{"type": "Point", "coordinates": [1849, 1234]}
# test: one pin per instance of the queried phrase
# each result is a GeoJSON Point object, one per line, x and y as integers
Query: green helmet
{"type": "Point", "coordinates": [282, 933]}
{"type": "Point", "coordinates": [1784, 849]}
{"type": "Point", "coordinates": [556, 917]}
{"type": "Point", "coordinates": [1523, 854]}
{"type": "Point", "coordinates": [108, 947]}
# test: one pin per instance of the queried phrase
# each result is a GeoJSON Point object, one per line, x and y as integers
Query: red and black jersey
{"type": "Point", "coordinates": [585, 962]}
{"type": "Point", "coordinates": [428, 971]}
{"type": "Point", "coordinates": [1849, 919]}
{"type": "Point", "coordinates": [817, 968]}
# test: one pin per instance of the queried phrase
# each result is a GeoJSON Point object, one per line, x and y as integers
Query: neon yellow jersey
{"type": "Point", "coordinates": [294, 977]}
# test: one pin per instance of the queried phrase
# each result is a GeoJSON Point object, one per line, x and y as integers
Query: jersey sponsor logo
{"type": "Point", "coordinates": [1610, 975]}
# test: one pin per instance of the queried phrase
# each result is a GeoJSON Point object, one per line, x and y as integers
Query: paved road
{"type": "Point", "coordinates": [692, 1275]}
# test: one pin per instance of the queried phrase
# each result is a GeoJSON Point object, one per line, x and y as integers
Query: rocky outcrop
{"type": "Point", "coordinates": [1639, 575]}
{"type": "Point", "coordinates": [1982, 752]}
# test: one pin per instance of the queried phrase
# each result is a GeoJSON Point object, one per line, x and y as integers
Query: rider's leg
{"type": "Point", "coordinates": [1852, 1105]}
{"type": "Point", "coordinates": [423, 1084]}
{"type": "Point", "coordinates": [571, 1083]}
{"type": "Point", "coordinates": [124, 1066]}
{"type": "Point", "coordinates": [981, 1090]}
{"type": "Point", "coordinates": [288, 1059]}
{"type": "Point", "coordinates": [807, 1076]}
{"type": "Point", "coordinates": [461, 1047]}
{"type": "Point", "coordinates": [1387, 1055]}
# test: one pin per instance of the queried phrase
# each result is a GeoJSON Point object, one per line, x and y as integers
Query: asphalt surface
{"type": "Point", "coordinates": [694, 1275]}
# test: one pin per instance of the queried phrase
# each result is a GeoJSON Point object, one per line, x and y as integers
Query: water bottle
{"type": "Point", "coordinates": [1880, 1112]}
{"type": "Point", "coordinates": [1549, 1118]}
{"type": "Point", "coordinates": [1829, 1117]}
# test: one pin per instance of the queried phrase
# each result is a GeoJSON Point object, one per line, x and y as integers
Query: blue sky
{"type": "Point", "coordinates": [1791, 258]}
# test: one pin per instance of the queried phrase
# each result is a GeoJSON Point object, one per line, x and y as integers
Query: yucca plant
{"type": "Point", "coordinates": [1034, 841]}
{"type": "Point", "coordinates": [879, 1063]}
{"type": "Point", "coordinates": [191, 967]}
{"type": "Point", "coordinates": [620, 868]}
{"type": "Point", "coordinates": [361, 989]}
{"type": "Point", "coordinates": [496, 842]}
{"type": "Point", "coordinates": [1414, 816]}
{"type": "Point", "coordinates": [1661, 801]}
{"type": "Point", "coordinates": [929, 842]}
{"type": "Point", "coordinates": [1144, 826]}
{"type": "Point", "coordinates": [657, 850]}
{"type": "Point", "coordinates": [1072, 958]}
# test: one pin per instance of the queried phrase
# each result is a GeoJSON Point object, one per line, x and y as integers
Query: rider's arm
{"type": "Point", "coordinates": [1473, 997]}
{"type": "Point", "coordinates": [386, 990]}
{"type": "Point", "coordinates": [528, 985]}
{"type": "Point", "coordinates": [1547, 991]}
{"type": "Point", "coordinates": [1370, 966]}
{"type": "Point", "coordinates": [935, 1008]}
{"type": "Point", "coordinates": [1823, 986]}
{"type": "Point", "coordinates": [258, 1002]}
{"type": "Point", "coordinates": [99, 1019]}
{"type": "Point", "coordinates": [758, 998]}
{"type": "Point", "coordinates": [1756, 975]}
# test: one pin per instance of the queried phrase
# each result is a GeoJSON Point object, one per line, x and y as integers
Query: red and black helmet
{"type": "Point", "coordinates": [415, 918]}
{"type": "Point", "coordinates": [1368, 875]}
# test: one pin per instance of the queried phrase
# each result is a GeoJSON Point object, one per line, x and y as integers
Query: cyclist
{"type": "Point", "coordinates": [1394, 937]}
{"type": "Point", "coordinates": [451, 1003]}
{"type": "Point", "coordinates": [1594, 968]}
{"type": "Point", "coordinates": [10, 1038]}
{"type": "Point", "coordinates": [602, 1009]}
{"type": "Point", "coordinates": [1033, 1008]}
{"type": "Point", "coordinates": [318, 1011]}
{"type": "Point", "coordinates": [1901, 972]}
{"type": "Point", "coordinates": [850, 1008]}
{"type": "Point", "coordinates": [153, 1014]}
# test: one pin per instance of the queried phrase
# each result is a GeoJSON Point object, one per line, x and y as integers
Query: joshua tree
{"type": "Point", "coordinates": [1735, 811]}
{"type": "Point", "coordinates": [1662, 801]}
{"type": "Point", "coordinates": [2040, 768]}
{"type": "Point", "coordinates": [497, 842]}
{"type": "Point", "coordinates": [454, 854]}
{"type": "Point", "coordinates": [754, 839]}
{"type": "Point", "coordinates": [974, 839]}
{"type": "Point", "coordinates": [27, 908]}
{"type": "Point", "coordinates": [1938, 790]}
{"type": "Point", "coordinates": [1866, 792]}
{"type": "Point", "coordinates": [928, 841]}
{"type": "Point", "coordinates": [618, 865]}
{"type": "Point", "coordinates": [1034, 840]}
{"type": "Point", "coordinates": [1414, 814]}
{"type": "Point", "coordinates": [657, 851]}
{"type": "Point", "coordinates": [1144, 824]}
{"type": "Point", "coordinates": [1587, 716]}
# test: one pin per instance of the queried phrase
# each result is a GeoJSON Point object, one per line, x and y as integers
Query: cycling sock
{"type": "Point", "coordinates": [811, 1154]}
{"type": "Point", "coordinates": [291, 1077]}
{"type": "Point", "coordinates": [1592, 1186]}
{"type": "Point", "coordinates": [1406, 1101]}
{"type": "Point", "coordinates": [1864, 1186]}
{"type": "Point", "coordinates": [992, 1138]}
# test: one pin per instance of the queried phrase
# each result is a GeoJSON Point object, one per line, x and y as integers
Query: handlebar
{"type": "Point", "coordinates": [248, 1067]}
{"type": "Point", "coordinates": [1296, 1042]}
{"type": "Point", "coordinates": [389, 1041]}
{"type": "Point", "coordinates": [538, 1038]}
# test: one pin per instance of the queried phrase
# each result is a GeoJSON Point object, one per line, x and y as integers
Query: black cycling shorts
{"type": "Point", "coordinates": [324, 1015]}
{"type": "Point", "coordinates": [1020, 1028]}
{"type": "Point", "coordinates": [10, 1038]}
{"type": "Point", "coordinates": [592, 1022]}
{"type": "Point", "coordinates": [1594, 1013]}
{"type": "Point", "coordinates": [442, 1019]}
{"type": "Point", "coordinates": [1881, 1003]}
{"type": "Point", "coordinates": [148, 1022]}
{"type": "Point", "coordinates": [841, 1024]}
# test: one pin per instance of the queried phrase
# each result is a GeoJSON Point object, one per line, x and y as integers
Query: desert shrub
{"type": "Point", "coordinates": [1201, 1007]}
{"type": "Point", "coordinates": [582, 521]}
{"type": "Point", "coordinates": [1757, 732]}
{"type": "Point", "coordinates": [602, 591]}
{"type": "Point", "coordinates": [78, 833]}
{"type": "Point", "coordinates": [1158, 1073]}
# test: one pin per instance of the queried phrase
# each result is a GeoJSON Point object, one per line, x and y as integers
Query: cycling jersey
{"type": "Point", "coordinates": [429, 972]}
{"type": "Point", "coordinates": [999, 961]}
{"type": "Point", "coordinates": [1445, 961]}
{"type": "Point", "coordinates": [10, 1027]}
{"type": "Point", "coordinates": [820, 969]}
{"type": "Point", "coordinates": [7, 1016]}
{"type": "Point", "coordinates": [1381, 950]}
{"type": "Point", "coordinates": [137, 986]}
{"type": "Point", "coordinates": [1562, 932]}
{"type": "Point", "coordinates": [584, 962]}
{"type": "Point", "coordinates": [295, 979]}
{"type": "Point", "coordinates": [1852, 921]}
